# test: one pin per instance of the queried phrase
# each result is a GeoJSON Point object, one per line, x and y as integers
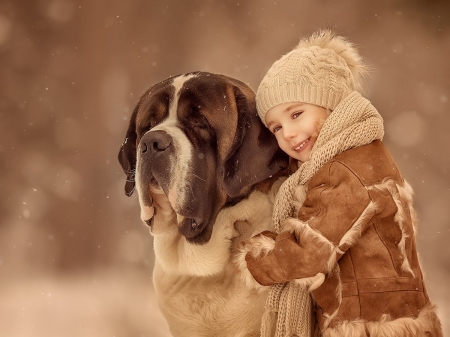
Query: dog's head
{"type": "Point", "coordinates": [198, 139]}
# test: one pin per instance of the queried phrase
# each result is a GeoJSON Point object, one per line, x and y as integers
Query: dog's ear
{"type": "Point", "coordinates": [256, 155]}
{"type": "Point", "coordinates": [127, 155]}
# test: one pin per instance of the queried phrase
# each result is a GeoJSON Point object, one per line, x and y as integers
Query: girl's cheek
{"type": "Point", "coordinates": [277, 138]}
{"type": "Point", "coordinates": [319, 124]}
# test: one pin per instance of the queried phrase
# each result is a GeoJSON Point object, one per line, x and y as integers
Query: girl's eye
{"type": "Point", "coordinates": [296, 114]}
{"type": "Point", "coordinates": [276, 128]}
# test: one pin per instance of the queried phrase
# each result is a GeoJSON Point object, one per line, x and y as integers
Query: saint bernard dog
{"type": "Point", "coordinates": [206, 171]}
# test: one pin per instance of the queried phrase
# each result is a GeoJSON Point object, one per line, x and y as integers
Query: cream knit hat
{"type": "Point", "coordinates": [321, 70]}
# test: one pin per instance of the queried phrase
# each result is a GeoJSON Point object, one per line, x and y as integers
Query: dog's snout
{"type": "Point", "coordinates": [143, 147]}
{"type": "Point", "coordinates": [155, 141]}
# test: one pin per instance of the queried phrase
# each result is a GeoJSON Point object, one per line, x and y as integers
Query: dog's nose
{"type": "Point", "coordinates": [155, 141]}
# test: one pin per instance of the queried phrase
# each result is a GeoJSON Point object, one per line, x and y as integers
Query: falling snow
{"type": "Point", "coordinates": [71, 243]}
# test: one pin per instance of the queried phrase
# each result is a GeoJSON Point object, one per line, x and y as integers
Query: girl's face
{"type": "Point", "coordinates": [296, 126]}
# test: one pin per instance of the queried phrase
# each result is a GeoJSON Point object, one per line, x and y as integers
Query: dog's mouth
{"type": "Point", "coordinates": [191, 227]}
{"type": "Point", "coordinates": [154, 184]}
{"type": "Point", "coordinates": [148, 209]}
{"type": "Point", "coordinates": [191, 222]}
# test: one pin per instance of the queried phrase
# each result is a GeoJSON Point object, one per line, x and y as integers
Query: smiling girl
{"type": "Point", "coordinates": [345, 224]}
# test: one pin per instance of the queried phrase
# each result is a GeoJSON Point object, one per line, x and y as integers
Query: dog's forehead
{"type": "Point", "coordinates": [159, 97]}
{"type": "Point", "coordinates": [201, 83]}
{"type": "Point", "coordinates": [206, 83]}
{"type": "Point", "coordinates": [215, 99]}
{"type": "Point", "coordinates": [206, 89]}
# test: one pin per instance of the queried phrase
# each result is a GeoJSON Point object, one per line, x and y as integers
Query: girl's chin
{"type": "Point", "coordinates": [302, 156]}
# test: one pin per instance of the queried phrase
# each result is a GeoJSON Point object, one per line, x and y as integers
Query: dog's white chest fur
{"type": "Point", "coordinates": [199, 289]}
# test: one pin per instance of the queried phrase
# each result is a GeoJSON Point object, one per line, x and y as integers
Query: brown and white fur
{"type": "Point", "coordinates": [206, 171]}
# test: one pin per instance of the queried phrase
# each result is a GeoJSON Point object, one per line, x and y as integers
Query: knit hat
{"type": "Point", "coordinates": [321, 70]}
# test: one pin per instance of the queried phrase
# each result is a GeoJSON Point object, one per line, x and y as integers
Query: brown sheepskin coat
{"type": "Point", "coordinates": [354, 244]}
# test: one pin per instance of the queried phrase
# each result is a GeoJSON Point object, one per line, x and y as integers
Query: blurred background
{"type": "Point", "coordinates": [75, 259]}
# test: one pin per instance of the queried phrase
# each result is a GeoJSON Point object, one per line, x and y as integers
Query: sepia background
{"type": "Point", "coordinates": [75, 259]}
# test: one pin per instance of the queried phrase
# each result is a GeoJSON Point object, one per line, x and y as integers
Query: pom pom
{"type": "Point", "coordinates": [342, 47]}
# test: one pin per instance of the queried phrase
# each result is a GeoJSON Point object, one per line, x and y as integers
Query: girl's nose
{"type": "Point", "coordinates": [288, 132]}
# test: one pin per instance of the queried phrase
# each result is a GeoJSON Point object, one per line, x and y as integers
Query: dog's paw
{"type": "Point", "coordinates": [242, 230]}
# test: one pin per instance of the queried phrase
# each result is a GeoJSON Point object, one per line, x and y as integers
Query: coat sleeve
{"type": "Point", "coordinates": [336, 211]}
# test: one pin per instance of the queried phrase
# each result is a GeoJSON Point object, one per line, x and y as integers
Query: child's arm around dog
{"type": "Point", "coordinates": [337, 208]}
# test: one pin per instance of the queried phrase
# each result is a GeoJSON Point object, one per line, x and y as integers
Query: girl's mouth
{"type": "Point", "coordinates": [300, 146]}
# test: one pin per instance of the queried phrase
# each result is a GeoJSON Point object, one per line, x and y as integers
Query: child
{"type": "Point", "coordinates": [344, 220]}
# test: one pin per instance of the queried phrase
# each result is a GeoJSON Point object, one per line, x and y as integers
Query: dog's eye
{"type": "Point", "coordinates": [200, 122]}
{"type": "Point", "coordinates": [145, 129]}
{"type": "Point", "coordinates": [200, 126]}
{"type": "Point", "coordinates": [141, 130]}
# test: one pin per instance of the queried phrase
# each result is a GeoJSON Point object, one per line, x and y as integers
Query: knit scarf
{"type": "Point", "coordinates": [354, 122]}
